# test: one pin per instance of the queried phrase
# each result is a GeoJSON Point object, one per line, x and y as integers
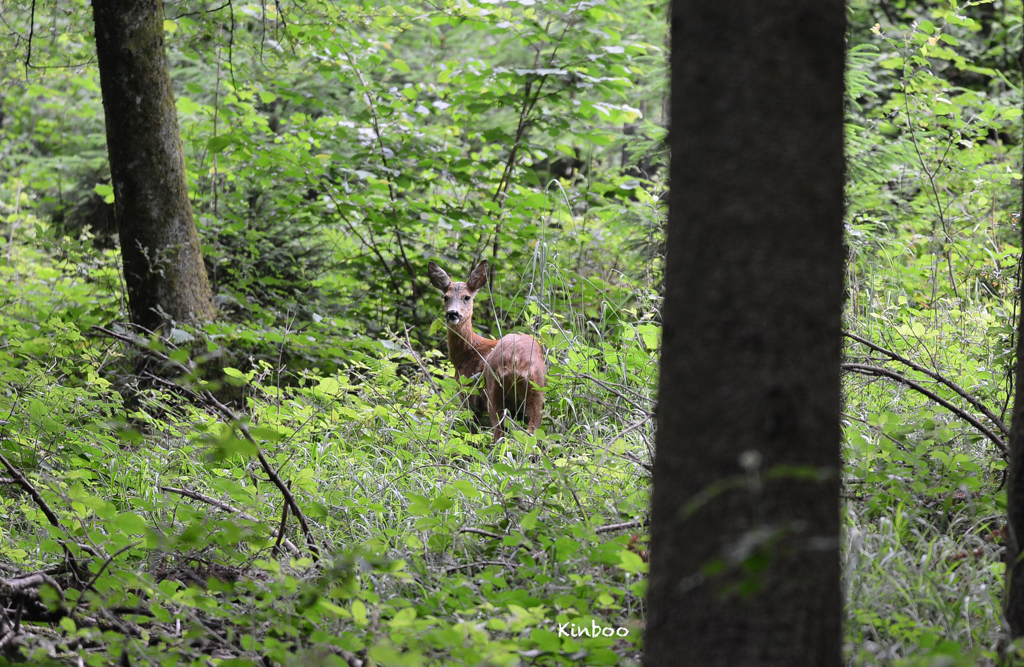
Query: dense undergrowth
{"type": "Point", "coordinates": [433, 543]}
{"type": "Point", "coordinates": [336, 148]}
{"type": "Point", "coordinates": [934, 155]}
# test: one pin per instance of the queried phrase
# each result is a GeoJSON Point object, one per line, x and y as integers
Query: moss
{"type": "Point", "coordinates": [163, 265]}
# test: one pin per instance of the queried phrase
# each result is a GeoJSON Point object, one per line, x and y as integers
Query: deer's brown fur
{"type": "Point", "coordinates": [513, 366]}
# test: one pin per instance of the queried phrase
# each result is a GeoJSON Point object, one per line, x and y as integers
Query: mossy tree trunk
{"type": "Point", "coordinates": [745, 523]}
{"type": "Point", "coordinates": [163, 263]}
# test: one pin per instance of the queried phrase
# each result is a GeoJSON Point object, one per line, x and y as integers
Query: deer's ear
{"type": "Point", "coordinates": [478, 276]}
{"type": "Point", "coordinates": [438, 278]}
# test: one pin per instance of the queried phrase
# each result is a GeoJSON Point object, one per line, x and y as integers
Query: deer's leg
{"type": "Point", "coordinates": [534, 404]}
{"type": "Point", "coordinates": [494, 403]}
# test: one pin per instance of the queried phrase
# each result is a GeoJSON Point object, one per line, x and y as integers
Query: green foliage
{"type": "Point", "coordinates": [934, 140]}
{"type": "Point", "coordinates": [333, 149]}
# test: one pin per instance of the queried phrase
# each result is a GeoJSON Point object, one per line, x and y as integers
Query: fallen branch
{"type": "Point", "coordinates": [878, 371]}
{"type": "Point", "coordinates": [636, 523]}
{"type": "Point", "coordinates": [31, 580]}
{"type": "Point", "coordinates": [480, 563]}
{"type": "Point", "coordinates": [967, 396]}
{"type": "Point", "coordinates": [480, 531]}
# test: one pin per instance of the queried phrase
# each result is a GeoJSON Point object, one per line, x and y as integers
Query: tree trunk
{"type": "Point", "coordinates": [745, 509]}
{"type": "Point", "coordinates": [163, 263]}
{"type": "Point", "coordinates": [1013, 601]}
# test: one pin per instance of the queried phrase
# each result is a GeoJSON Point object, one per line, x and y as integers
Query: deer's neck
{"type": "Point", "coordinates": [467, 349]}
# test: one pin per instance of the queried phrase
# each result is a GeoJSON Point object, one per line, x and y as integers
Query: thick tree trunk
{"type": "Point", "coordinates": [1013, 600]}
{"type": "Point", "coordinates": [163, 263]}
{"type": "Point", "coordinates": [745, 510]}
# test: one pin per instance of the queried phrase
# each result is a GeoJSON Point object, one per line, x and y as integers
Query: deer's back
{"type": "Point", "coordinates": [517, 357]}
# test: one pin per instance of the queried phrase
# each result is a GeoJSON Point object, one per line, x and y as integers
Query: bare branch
{"type": "Point", "coordinates": [967, 396]}
{"type": "Point", "coordinates": [636, 523]}
{"type": "Point", "coordinates": [864, 369]}
{"type": "Point", "coordinates": [99, 572]}
{"type": "Point", "coordinates": [480, 531]}
{"type": "Point", "coordinates": [481, 563]}
{"type": "Point", "coordinates": [209, 500]}
{"type": "Point", "coordinates": [31, 32]}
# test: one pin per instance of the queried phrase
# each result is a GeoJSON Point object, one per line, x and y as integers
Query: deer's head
{"type": "Point", "coordinates": [458, 297]}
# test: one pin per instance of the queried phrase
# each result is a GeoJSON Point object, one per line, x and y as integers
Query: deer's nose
{"type": "Point", "coordinates": [452, 315]}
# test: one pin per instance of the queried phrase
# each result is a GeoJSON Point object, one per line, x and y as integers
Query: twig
{"type": "Point", "coordinates": [419, 362]}
{"type": "Point", "coordinates": [375, 122]}
{"type": "Point", "coordinates": [100, 571]}
{"type": "Point", "coordinates": [626, 455]}
{"type": "Point", "coordinates": [27, 485]}
{"type": "Point", "coordinates": [49, 513]}
{"type": "Point", "coordinates": [632, 427]}
{"type": "Point", "coordinates": [970, 398]}
{"type": "Point", "coordinates": [636, 523]}
{"type": "Point", "coordinates": [479, 563]}
{"type": "Point", "coordinates": [204, 11]}
{"type": "Point", "coordinates": [195, 495]}
{"type": "Point", "coordinates": [615, 391]}
{"type": "Point", "coordinates": [480, 531]}
{"type": "Point", "coordinates": [31, 32]}
{"type": "Point", "coordinates": [885, 435]}
{"type": "Point", "coordinates": [524, 120]}
{"type": "Point", "coordinates": [864, 369]}
{"type": "Point", "coordinates": [931, 179]}
{"type": "Point", "coordinates": [280, 529]}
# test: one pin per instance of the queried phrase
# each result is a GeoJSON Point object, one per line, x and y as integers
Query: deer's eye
{"type": "Point", "coordinates": [465, 298]}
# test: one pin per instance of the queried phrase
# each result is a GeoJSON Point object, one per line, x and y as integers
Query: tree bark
{"type": "Point", "coordinates": [745, 508]}
{"type": "Point", "coordinates": [160, 250]}
{"type": "Point", "coordinates": [1013, 596]}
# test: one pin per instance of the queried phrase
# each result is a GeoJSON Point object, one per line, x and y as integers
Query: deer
{"type": "Point", "coordinates": [513, 366]}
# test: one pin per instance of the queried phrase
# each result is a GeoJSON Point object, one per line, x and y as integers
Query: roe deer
{"type": "Point", "coordinates": [513, 366]}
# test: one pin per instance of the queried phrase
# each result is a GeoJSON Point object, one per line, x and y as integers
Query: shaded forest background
{"type": "Point", "coordinates": [332, 150]}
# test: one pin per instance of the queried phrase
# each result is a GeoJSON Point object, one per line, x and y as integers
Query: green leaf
{"type": "Point", "coordinates": [218, 144]}
{"type": "Point", "coordinates": [359, 614]}
{"type": "Point", "coordinates": [631, 562]}
{"type": "Point", "coordinates": [130, 523]}
{"type": "Point", "coordinates": [106, 191]}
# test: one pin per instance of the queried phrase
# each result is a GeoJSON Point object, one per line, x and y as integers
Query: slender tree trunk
{"type": "Point", "coordinates": [1013, 601]}
{"type": "Point", "coordinates": [163, 263]}
{"type": "Point", "coordinates": [745, 509]}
